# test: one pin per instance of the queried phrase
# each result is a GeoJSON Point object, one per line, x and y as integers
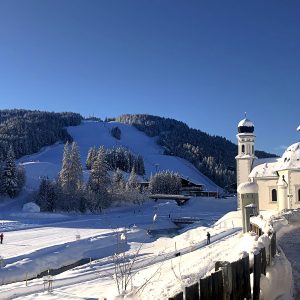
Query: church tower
{"type": "Point", "coordinates": [246, 153]}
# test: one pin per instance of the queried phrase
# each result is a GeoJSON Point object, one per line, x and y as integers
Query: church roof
{"type": "Point", "coordinates": [267, 169]}
{"type": "Point", "coordinates": [245, 123]}
{"type": "Point", "coordinates": [290, 160]}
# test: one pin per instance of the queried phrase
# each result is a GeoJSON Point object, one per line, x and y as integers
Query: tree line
{"type": "Point", "coordinates": [118, 158]}
{"type": "Point", "coordinates": [214, 156]}
{"type": "Point", "coordinates": [104, 188]}
{"type": "Point", "coordinates": [28, 131]}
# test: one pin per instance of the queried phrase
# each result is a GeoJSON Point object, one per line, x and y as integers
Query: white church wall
{"type": "Point", "coordinates": [294, 188]}
{"type": "Point", "coordinates": [265, 194]}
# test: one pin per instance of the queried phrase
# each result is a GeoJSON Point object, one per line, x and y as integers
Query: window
{"type": "Point", "coordinates": [252, 149]}
{"type": "Point", "coordinates": [274, 195]}
{"type": "Point", "coordinates": [299, 195]}
{"type": "Point", "coordinates": [243, 148]}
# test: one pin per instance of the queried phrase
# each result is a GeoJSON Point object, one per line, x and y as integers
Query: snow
{"type": "Point", "coordinates": [31, 207]}
{"type": "Point", "coordinates": [47, 162]}
{"type": "Point", "coordinates": [264, 170]}
{"type": "Point", "coordinates": [36, 242]}
{"type": "Point", "coordinates": [290, 160]}
{"type": "Point", "coordinates": [248, 188]}
{"type": "Point", "coordinates": [246, 122]}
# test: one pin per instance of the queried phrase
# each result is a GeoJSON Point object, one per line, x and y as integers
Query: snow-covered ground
{"type": "Point", "coordinates": [48, 161]}
{"type": "Point", "coordinates": [37, 242]}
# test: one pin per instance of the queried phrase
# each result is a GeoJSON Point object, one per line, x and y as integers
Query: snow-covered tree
{"type": "Point", "coordinates": [64, 174]}
{"type": "Point", "coordinates": [132, 183]}
{"type": "Point", "coordinates": [118, 186]}
{"type": "Point", "coordinates": [118, 180]}
{"type": "Point", "coordinates": [10, 175]}
{"type": "Point", "coordinates": [165, 182]}
{"type": "Point", "coordinates": [92, 155]}
{"type": "Point", "coordinates": [98, 183]}
{"type": "Point", "coordinates": [76, 167]}
{"type": "Point", "coordinates": [47, 196]}
{"type": "Point", "coordinates": [71, 178]}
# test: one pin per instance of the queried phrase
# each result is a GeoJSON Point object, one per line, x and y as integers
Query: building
{"type": "Point", "coordinates": [272, 183]}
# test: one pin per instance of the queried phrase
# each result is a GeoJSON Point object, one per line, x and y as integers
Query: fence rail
{"type": "Point", "coordinates": [231, 280]}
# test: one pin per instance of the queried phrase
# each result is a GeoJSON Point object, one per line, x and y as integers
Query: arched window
{"type": "Point", "coordinates": [252, 149]}
{"type": "Point", "coordinates": [274, 195]}
{"type": "Point", "coordinates": [243, 148]}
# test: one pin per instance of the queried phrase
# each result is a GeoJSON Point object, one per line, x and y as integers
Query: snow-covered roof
{"type": "Point", "coordinates": [268, 167]}
{"type": "Point", "coordinates": [264, 170]}
{"type": "Point", "coordinates": [298, 128]}
{"type": "Point", "coordinates": [246, 122]}
{"type": "Point", "coordinates": [248, 188]}
{"type": "Point", "coordinates": [290, 158]}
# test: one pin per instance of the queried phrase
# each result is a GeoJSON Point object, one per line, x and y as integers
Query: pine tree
{"type": "Point", "coordinates": [92, 154]}
{"type": "Point", "coordinates": [132, 183]}
{"type": "Point", "coordinates": [2, 186]}
{"type": "Point", "coordinates": [47, 195]}
{"type": "Point", "coordinates": [76, 175]}
{"type": "Point", "coordinates": [71, 178]}
{"type": "Point", "coordinates": [99, 182]}
{"type": "Point", "coordinates": [64, 174]}
{"type": "Point", "coordinates": [10, 175]}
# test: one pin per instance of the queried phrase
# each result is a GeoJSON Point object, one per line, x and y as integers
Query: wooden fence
{"type": "Point", "coordinates": [231, 281]}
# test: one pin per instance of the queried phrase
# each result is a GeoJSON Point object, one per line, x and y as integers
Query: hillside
{"type": "Point", "coordinates": [28, 131]}
{"type": "Point", "coordinates": [48, 161]}
{"type": "Point", "coordinates": [214, 156]}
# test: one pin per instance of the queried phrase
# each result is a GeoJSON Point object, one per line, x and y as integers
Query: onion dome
{"type": "Point", "coordinates": [245, 126]}
{"type": "Point", "coordinates": [248, 188]}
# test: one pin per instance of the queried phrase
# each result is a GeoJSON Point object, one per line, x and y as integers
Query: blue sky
{"type": "Point", "coordinates": [201, 62]}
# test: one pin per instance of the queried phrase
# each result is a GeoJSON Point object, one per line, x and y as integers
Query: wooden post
{"type": "Point", "coordinates": [256, 275]}
{"type": "Point", "coordinates": [217, 285]}
{"type": "Point", "coordinates": [263, 261]}
{"type": "Point", "coordinates": [192, 292]}
{"type": "Point", "coordinates": [26, 279]}
{"type": "Point", "coordinates": [234, 281]}
{"type": "Point", "coordinates": [177, 297]}
{"type": "Point", "coordinates": [225, 266]}
{"type": "Point", "coordinates": [206, 288]}
{"type": "Point", "coordinates": [246, 275]}
{"type": "Point", "coordinates": [90, 261]}
{"type": "Point", "coordinates": [240, 284]}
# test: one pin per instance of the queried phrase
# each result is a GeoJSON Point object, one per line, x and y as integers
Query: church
{"type": "Point", "coordinates": [269, 183]}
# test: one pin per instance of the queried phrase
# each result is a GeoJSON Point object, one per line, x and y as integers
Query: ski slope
{"type": "Point", "coordinates": [48, 161]}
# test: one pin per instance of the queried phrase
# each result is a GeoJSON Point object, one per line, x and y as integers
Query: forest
{"type": "Point", "coordinates": [213, 155]}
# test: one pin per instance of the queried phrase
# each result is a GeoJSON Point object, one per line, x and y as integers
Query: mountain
{"type": "Point", "coordinates": [214, 156]}
{"type": "Point", "coordinates": [47, 162]}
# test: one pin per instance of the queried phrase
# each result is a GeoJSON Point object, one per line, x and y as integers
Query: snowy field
{"type": "Point", "coordinates": [37, 242]}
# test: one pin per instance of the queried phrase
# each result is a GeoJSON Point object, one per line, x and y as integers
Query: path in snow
{"type": "Point", "coordinates": [290, 244]}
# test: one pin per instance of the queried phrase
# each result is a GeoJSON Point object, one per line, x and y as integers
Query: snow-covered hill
{"type": "Point", "coordinates": [48, 161]}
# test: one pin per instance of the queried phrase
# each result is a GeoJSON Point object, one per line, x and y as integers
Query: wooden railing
{"type": "Point", "coordinates": [231, 280]}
